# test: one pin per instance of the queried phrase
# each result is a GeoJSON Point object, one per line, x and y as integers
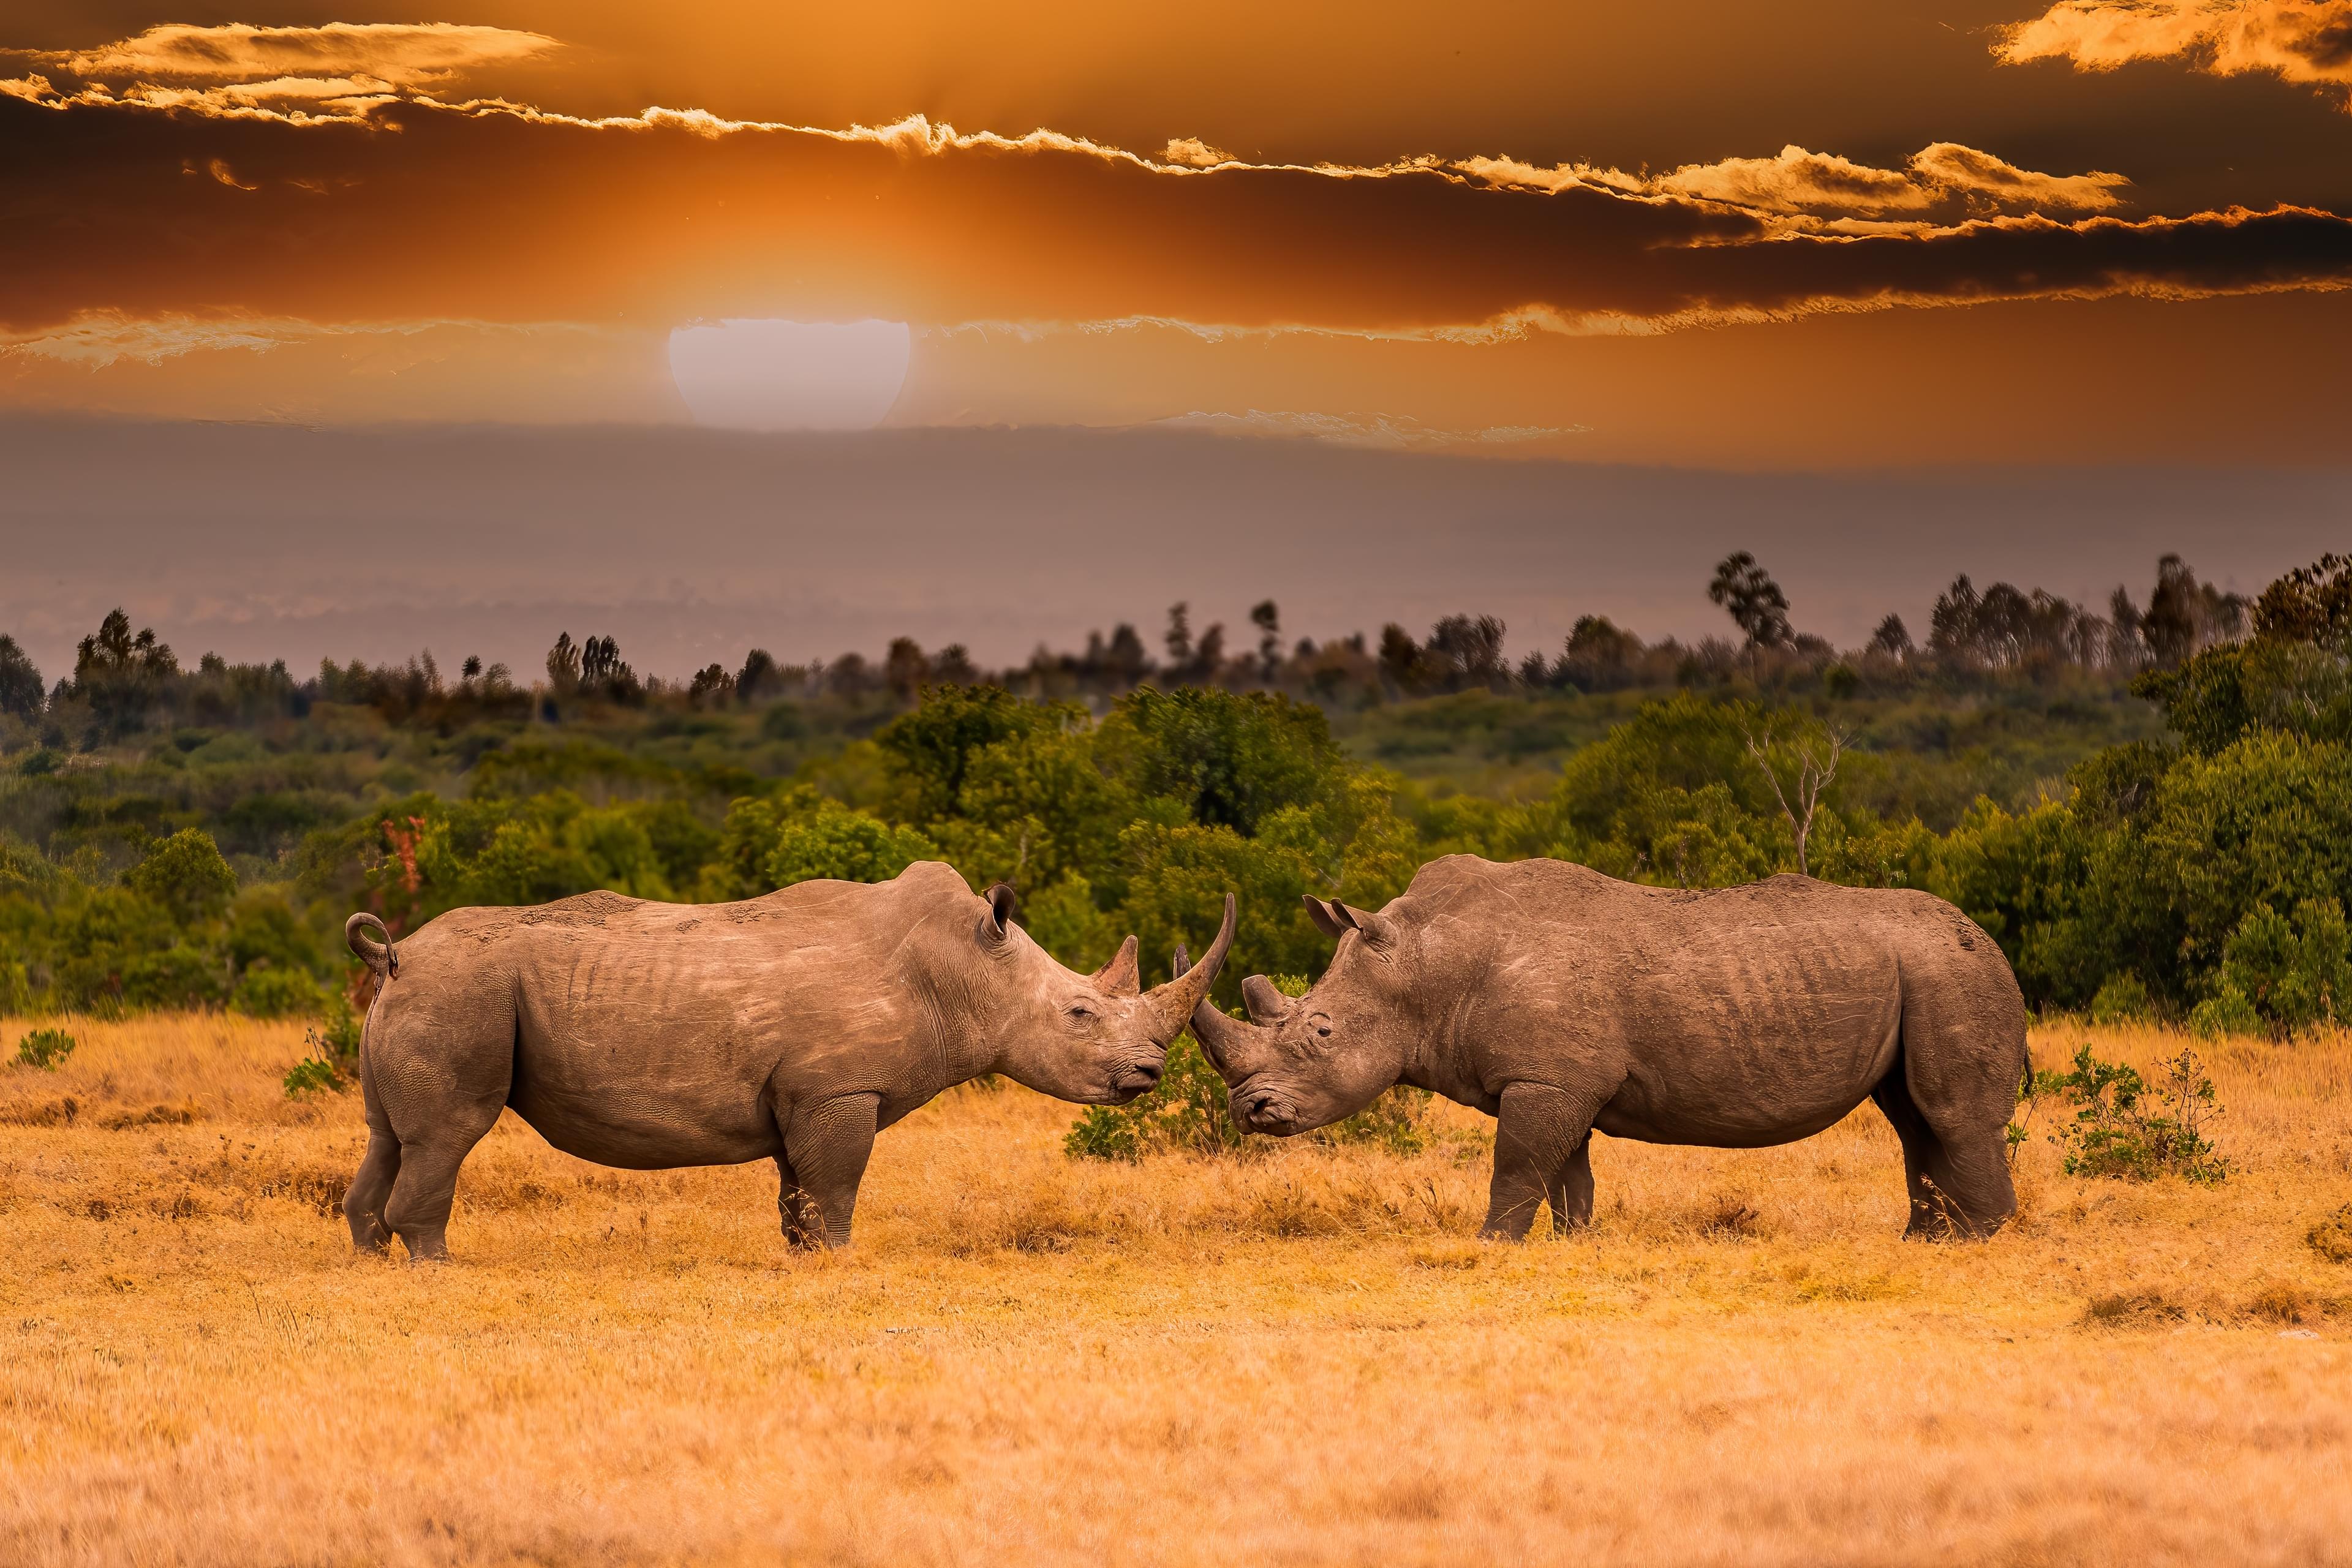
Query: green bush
{"type": "Point", "coordinates": [331, 1059]}
{"type": "Point", "coordinates": [273, 993]}
{"type": "Point", "coordinates": [2296, 973]}
{"type": "Point", "coordinates": [2125, 1128]}
{"type": "Point", "coordinates": [2226, 1012]}
{"type": "Point", "coordinates": [2122, 1000]}
{"type": "Point", "coordinates": [1186, 1112]}
{"type": "Point", "coordinates": [44, 1049]}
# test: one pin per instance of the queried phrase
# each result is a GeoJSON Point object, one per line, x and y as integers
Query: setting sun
{"type": "Point", "coordinates": [790, 375]}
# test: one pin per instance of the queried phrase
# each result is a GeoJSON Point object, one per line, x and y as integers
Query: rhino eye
{"type": "Point", "coordinates": [1082, 1014]}
{"type": "Point", "coordinates": [1324, 1030]}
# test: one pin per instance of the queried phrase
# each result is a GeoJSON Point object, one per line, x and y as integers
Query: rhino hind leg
{"type": "Point", "coordinates": [1957, 1176]}
{"type": "Point", "coordinates": [371, 1186]}
{"type": "Point", "coordinates": [422, 1194]}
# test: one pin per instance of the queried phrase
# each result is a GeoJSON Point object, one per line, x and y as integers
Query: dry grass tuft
{"type": "Point", "coordinates": [1304, 1356]}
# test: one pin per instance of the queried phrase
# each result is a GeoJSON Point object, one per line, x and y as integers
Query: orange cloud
{"type": "Point", "coordinates": [2306, 41]}
{"type": "Point", "coordinates": [413, 208]}
{"type": "Point", "coordinates": [1822, 191]}
{"type": "Point", "coordinates": [390, 54]}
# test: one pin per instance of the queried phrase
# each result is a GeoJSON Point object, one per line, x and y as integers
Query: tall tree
{"type": "Point", "coordinates": [1754, 602]}
{"type": "Point", "coordinates": [21, 691]}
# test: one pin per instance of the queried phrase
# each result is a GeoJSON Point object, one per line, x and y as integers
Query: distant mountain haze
{"type": "Point", "coordinates": [262, 542]}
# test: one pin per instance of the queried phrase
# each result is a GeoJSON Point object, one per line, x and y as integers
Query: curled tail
{"type": "Point", "coordinates": [379, 956]}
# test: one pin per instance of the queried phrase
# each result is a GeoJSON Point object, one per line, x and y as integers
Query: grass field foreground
{"type": "Point", "coordinates": [1300, 1356]}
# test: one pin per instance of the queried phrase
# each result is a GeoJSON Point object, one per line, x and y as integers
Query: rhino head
{"type": "Point", "coordinates": [1095, 1039]}
{"type": "Point", "coordinates": [1305, 1062]}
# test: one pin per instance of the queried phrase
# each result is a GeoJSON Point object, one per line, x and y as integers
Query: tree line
{"type": "Point", "coordinates": [123, 681]}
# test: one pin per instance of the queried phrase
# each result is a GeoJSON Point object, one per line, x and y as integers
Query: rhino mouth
{"type": "Point", "coordinates": [1135, 1079]}
{"type": "Point", "coordinates": [1262, 1110]}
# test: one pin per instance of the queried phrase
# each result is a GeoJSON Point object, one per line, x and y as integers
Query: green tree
{"type": "Point", "coordinates": [185, 875]}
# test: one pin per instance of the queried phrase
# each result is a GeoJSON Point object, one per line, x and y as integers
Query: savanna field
{"type": "Point", "coordinates": [1297, 1356]}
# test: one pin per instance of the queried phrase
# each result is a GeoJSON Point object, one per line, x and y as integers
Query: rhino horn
{"type": "Point", "coordinates": [1229, 1043]}
{"type": "Point", "coordinates": [1175, 1002]}
{"type": "Point", "coordinates": [1123, 976]}
{"type": "Point", "coordinates": [1266, 1004]}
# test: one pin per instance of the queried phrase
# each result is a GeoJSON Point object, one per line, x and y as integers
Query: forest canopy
{"type": "Point", "coordinates": [2150, 809]}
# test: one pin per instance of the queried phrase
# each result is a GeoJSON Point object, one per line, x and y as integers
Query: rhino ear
{"type": "Point", "coordinates": [1123, 975]}
{"type": "Point", "coordinates": [1325, 920]}
{"type": "Point", "coordinates": [1266, 1004]}
{"type": "Point", "coordinates": [1002, 902]}
{"type": "Point", "coordinates": [1374, 929]}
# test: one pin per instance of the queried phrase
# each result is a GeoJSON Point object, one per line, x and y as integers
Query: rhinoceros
{"type": "Point", "coordinates": [790, 1027]}
{"type": "Point", "coordinates": [1559, 1000]}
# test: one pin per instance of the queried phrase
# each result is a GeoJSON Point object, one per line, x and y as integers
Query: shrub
{"type": "Point", "coordinates": [44, 1049]}
{"type": "Point", "coordinates": [1186, 1113]}
{"type": "Point", "coordinates": [2226, 1012]}
{"type": "Point", "coordinates": [1183, 1114]}
{"type": "Point", "coordinates": [2122, 1000]}
{"type": "Point", "coordinates": [332, 1058]}
{"type": "Point", "coordinates": [2293, 971]}
{"type": "Point", "coordinates": [2126, 1129]}
{"type": "Point", "coordinates": [273, 993]}
{"type": "Point", "coordinates": [186, 875]}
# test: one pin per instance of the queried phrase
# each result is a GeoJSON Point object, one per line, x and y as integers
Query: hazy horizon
{"type": "Point", "coordinates": [263, 542]}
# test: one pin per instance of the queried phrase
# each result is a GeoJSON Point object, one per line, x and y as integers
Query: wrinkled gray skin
{"type": "Point", "coordinates": [1559, 1000]}
{"type": "Point", "coordinates": [790, 1027]}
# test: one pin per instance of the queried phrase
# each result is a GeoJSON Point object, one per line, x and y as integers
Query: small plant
{"type": "Point", "coordinates": [2130, 1130]}
{"type": "Point", "coordinates": [331, 1056]}
{"type": "Point", "coordinates": [44, 1049]}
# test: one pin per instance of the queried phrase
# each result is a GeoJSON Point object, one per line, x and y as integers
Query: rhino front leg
{"type": "Point", "coordinates": [826, 1145]}
{"type": "Point", "coordinates": [1541, 1133]}
{"type": "Point", "coordinates": [796, 1209]}
{"type": "Point", "coordinates": [1570, 1191]}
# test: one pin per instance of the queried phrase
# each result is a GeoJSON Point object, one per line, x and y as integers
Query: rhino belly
{"type": "Point", "coordinates": [1757, 1058]}
{"type": "Point", "coordinates": [642, 1093]}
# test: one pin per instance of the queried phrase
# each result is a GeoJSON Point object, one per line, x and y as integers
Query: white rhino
{"type": "Point", "coordinates": [1559, 1000]}
{"type": "Point", "coordinates": [790, 1027]}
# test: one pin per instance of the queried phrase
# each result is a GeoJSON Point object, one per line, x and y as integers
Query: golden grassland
{"type": "Point", "coordinates": [1296, 1357]}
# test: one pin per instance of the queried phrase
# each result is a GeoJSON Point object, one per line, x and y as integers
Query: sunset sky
{"type": "Point", "coordinates": [1822, 237]}
{"type": "Point", "coordinates": [1697, 231]}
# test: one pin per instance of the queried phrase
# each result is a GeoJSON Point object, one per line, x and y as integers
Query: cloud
{"type": "Point", "coordinates": [390, 54]}
{"type": "Point", "coordinates": [492, 211]}
{"type": "Point", "coordinates": [2303, 41]}
{"type": "Point", "coordinates": [1822, 191]}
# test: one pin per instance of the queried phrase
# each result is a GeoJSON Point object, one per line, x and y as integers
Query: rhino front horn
{"type": "Point", "coordinates": [1173, 1003]}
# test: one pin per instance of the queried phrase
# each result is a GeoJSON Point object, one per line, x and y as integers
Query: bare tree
{"type": "Point", "coordinates": [1812, 762]}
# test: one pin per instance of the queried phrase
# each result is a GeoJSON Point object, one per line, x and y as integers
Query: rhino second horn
{"type": "Point", "coordinates": [1266, 1004]}
{"type": "Point", "coordinates": [1123, 975]}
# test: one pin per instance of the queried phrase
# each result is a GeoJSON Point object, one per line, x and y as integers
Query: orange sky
{"type": "Point", "coordinates": [1825, 235]}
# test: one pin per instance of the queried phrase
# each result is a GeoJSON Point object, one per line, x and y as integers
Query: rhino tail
{"type": "Point", "coordinates": [380, 956]}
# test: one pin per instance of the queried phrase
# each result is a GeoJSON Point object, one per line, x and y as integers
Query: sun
{"type": "Point", "coordinates": [790, 375]}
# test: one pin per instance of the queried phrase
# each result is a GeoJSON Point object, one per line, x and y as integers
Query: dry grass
{"type": "Point", "coordinates": [1300, 1357]}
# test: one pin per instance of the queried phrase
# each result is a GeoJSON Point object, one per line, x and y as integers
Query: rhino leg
{"type": "Point", "coordinates": [418, 1212]}
{"type": "Point", "coordinates": [826, 1145]}
{"type": "Point", "coordinates": [364, 1201]}
{"type": "Point", "coordinates": [804, 1227]}
{"type": "Point", "coordinates": [1541, 1133]}
{"type": "Point", "coordinates": [1958, 1174]}
{"type": "Point", "coordinates": [1569, 1191]}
